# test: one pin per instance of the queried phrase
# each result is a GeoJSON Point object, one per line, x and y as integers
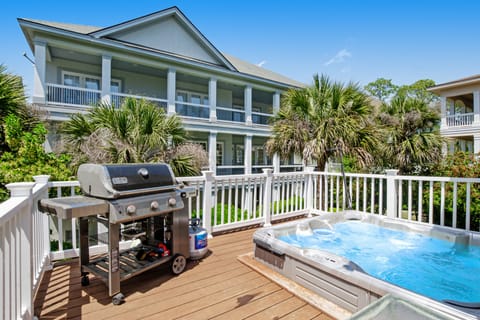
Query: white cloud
{"type": "Point", "coordinates": [339, 57]}
{"type": "Point", "coordinates": [261, 63]}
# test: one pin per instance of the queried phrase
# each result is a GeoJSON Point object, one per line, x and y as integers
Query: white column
{"type": "Point", "coordinates": [248, 105]}
{"type": "Point", "coordinates": [276, 102]}
{"type": "Point", "coordinates": [476, 143]}
{"type": "Point", "coordinates": [247, 155]}
{"type": "Point", "coordinates": [212, 151]}
{"type": "Point", "coordinates": [171, 90]}
{"type": "Point", "coordinates": [106, 79]}
{"type": "Point", "coordinates": [212, 98]}
{"type": "Point", "coordinates": [276, 163]}
{"type": "Point", "coordinates": [40, 72]}
{"type": "Point", "coordinates": [476, 107]}
{"type": "Point", "coordinates": [443, 111]}
{"type": "Point", "coordinates": [392, 193]}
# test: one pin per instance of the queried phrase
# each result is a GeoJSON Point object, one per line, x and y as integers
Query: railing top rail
{"type": "Point", "coordinates": [460, 115]}
{"type": "Point", "coordinates": [438, 179]}
{"type": "Point", "coordinates": [263, 114]}
{"type": "Point", "coordinates": [230, 109]}
{"type": "Point", "coordinates": [72, 88]}
{"type": "Point", "coordinates": [239, 177]}
{"type": "Point", "coordinates": [192, 104]}
{"type": "Point", "coordinates": [127, 95]}
{"type": "Point", "coordinates": [56, 184]}
{"type": "Point", "coordinates": [11, 207]}
{"type": "Point", "coordinates": [349, 174]}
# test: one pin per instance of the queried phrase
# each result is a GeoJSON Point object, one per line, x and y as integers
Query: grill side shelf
{"type": "Point", "coordinates": [129, 265]}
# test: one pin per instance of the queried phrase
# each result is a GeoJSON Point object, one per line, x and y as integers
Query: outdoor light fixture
{"type": "Point", "coordinates": [26, 57]}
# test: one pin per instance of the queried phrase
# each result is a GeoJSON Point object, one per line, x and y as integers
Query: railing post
{"type": "Point", "coordinates": [42, 230]}
{"type": "Point", "coordinates": [392, 193]}
{"type": "Point", "coordinates": [308, 170]}
{"type": "Point", "coordinates": [267, 197]}
{"type": "Point", "coordinates": [25, 263]}
{"type": "Point", "coordinates": [208, 201]}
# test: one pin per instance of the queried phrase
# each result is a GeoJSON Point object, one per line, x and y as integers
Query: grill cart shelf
{"type": "Point", "coordinates": [146, 200]}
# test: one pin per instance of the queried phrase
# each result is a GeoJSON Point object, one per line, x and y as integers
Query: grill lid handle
{"type": "Point", "coordinates": [143, 172]}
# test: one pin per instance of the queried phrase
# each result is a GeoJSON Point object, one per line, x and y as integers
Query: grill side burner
{"type": "Point", "coordinates": [134, 193]}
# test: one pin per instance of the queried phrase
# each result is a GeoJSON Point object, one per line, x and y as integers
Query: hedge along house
{"type": "Point", "coordinates": [224, 103]}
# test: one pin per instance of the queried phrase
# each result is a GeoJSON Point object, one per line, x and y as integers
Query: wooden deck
{"type": "Point", "coordinates": [216, 287]}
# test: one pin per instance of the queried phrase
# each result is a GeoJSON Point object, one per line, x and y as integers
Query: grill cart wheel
{"type": "Point", "coordinates": [178, 264]}
{"type": "Point", "coordinates": [85, 281]}
{"type": "Point", "coordinates": [118, 299]}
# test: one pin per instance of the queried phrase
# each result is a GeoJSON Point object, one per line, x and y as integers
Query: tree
{"type": "Point", "coordinates": [382, 88]}
{"type": "Point", "coordinates": [13, 101]}
{"type": "Point", "coordinates": [413, 142]}
{"type": "Point", "coordinates": [418, 90]}
{"type": "Point", "coordinates": [27, 157]}
{"type": "Point", "coordinates": [137, 131]}
{"type": "Point", "coordinates": [324, 118]}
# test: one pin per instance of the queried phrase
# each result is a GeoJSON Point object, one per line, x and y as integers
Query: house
{"type": "Point", "coordinates": [224, 102]}
{"type": "Point", "coordinates": [460, 113]}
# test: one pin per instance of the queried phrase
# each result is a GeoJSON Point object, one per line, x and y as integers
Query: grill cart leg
{"type": "Point", "coordinates": [84, 249]}
{"type": "Point", "coordinates": [113, 265]}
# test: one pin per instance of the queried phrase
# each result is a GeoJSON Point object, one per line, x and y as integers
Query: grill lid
{"type": "Point", "coordinates": [111, 181]}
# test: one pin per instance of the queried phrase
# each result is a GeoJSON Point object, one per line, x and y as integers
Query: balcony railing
{"type": "Point", "coordinates": [460, 119]}
{"type": "Point", "coordinates": [72, 96]}
{"type": "Point", "coordinates": [230, 202]}
{"type": "Point", "coordinates": [230, 114]}
{"type": "Point", "coordinates": [261, 118]}
{"type": "Point", "coordinates": [118, 98]}
{"type": "Point", "coordinates": [192, 110]}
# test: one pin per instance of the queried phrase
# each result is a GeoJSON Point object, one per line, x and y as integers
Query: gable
{"type": "Point", "coordinates": [169, 35]}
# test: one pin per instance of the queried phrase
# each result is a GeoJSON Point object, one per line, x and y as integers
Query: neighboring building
{"type": "Point", "coordinates": [224, 103]}
{"type": "Point", "coordinates": [460, 113]}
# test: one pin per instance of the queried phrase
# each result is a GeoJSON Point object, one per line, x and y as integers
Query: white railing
{"type": "Point", "coordinates": [261, 118]}
{"type": "Point", "coordinates": [24, 248]}
{"type": "Point", "coordinates": [192, 110]}
{"type": "Point", "coordinates": [72, 96]}
{"type": "Point", "coordinates": [460, 119]}
{"type": "Point", "coordinates": [230, 114]}
{"type": "Point", "coordinates": [117, 99]}
{"type": "Point", "coordinates": [224, 203]}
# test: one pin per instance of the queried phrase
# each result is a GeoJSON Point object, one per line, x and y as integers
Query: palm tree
{"type": "Point", "coordinates": [14, 102]}
{"type": "Point", "coordinates": [324, 118]}
{"type": "Point", "coordinates": [138, 131]}
{"type": "Point", "coordinates": [413, 139]}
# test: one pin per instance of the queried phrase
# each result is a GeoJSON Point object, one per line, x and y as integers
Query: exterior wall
{"type": "Point", "coordinates": [167, 35]}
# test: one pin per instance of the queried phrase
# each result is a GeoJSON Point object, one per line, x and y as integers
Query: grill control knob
{"type": "Point", "coordinates": [172, 202]}
{"type": "Point", "coordinates": [131, 209]}
{"type": "Point", "coordinates": [154, 205]}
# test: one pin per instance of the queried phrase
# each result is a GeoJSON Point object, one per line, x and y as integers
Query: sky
{"type": "Point", "coordinates": [357, 41]}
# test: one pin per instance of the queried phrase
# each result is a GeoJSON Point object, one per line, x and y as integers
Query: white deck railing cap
{"type": "Point", "coordinates": [20, 189]}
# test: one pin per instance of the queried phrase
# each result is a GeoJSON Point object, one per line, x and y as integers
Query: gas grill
{"type": "Point", "coordinates": [143, 198]}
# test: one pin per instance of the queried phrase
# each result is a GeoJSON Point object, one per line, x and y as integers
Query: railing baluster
{"type": "Point", "coordinates": [409, 199]}
{"type": "Point", "coordinates": [380, 196]}
{"type": "Point", "coordinates": [454, 205]}
{"type": "Point", "coordinates": [372, 196]}
{"type": "Point", "coordinates": [364, 194]}
{"type": "Point", "coordinates": [467, 209]}
{"type": "Point", "coordinates": [420, 201]}
{"type": "Point", "coordinates": [442, 204]}
{"type": "Point", "coordinates": [430, 205]}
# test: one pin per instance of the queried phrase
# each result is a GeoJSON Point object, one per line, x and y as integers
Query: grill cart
{"type": "Point", "coordinates": [143, 198]}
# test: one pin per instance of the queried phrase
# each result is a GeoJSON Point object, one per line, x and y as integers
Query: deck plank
{"type": "Point", "coordinates": [217, 286]}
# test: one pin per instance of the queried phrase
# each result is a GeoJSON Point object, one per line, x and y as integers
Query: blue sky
{"type": "Point", "coordinates": [356, 41]}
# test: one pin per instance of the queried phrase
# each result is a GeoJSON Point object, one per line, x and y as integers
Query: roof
{"type": "Point", "coordinates": [456, 83]}
{"type": "Point", "coordinates": [233, 64]}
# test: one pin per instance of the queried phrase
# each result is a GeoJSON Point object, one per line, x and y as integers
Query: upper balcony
{"type": "Point", "coordinates": [460, 117]}
{"type": "Point", "coordinates": [75, 82]}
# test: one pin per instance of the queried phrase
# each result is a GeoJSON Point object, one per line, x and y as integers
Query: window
{"type": "Point", "coordinates": [194, 108]}
{"type": "Point", "coordinates": [238, 154]}
{"type": "Point", "coordinates": [79, 80]}
{"type": "Point", "coordinates": [219, 153]}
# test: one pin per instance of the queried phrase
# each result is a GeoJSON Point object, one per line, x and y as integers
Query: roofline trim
{"type": "Point", "coordinates": [107, 42]}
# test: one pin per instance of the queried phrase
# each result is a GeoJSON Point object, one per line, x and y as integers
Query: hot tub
{"type": "Point", "coordinates": [341, 280]}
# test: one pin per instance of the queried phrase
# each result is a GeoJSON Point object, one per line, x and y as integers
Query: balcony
{"type": "Point", "coordinates": [460, 119]}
